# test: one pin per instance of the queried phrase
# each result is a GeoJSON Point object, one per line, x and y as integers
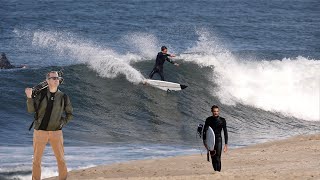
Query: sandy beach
{"type": "Point", "coordinates": [294, 158]}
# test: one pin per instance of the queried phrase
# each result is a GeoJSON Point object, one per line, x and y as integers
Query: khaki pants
{"type": "Point", "coordinates": [40, 139]}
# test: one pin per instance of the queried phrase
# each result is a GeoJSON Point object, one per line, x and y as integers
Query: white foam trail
{"type": "Point", "coordinates": [289, 86]}
{"type": "Point", "coordinates": [105, 62]}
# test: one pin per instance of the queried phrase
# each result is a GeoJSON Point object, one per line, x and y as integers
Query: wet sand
{"type": "Point", "coordinates": [293, 158]}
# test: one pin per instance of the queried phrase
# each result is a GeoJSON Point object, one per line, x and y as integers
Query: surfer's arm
{"type": "Point", "coordinates": [225, 131]}
{"type": "Point", "coordinates": [205, 128]}
{"type": "Point", "coordinates": [171, 61]}
{"type": "Point", "coordinates": [172, 55]}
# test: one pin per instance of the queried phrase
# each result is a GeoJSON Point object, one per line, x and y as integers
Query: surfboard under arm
{"type": "Point", "coordinates": [210, 139]}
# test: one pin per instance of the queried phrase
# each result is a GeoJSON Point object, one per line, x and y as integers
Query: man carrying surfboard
{"type": "Point", "coordinates": [217, 123]}
{"type": "Point", "coordinates": [161, 58]}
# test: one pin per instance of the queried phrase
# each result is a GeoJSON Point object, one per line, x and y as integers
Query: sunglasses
{"type": "Point", "coordinates": [55, 78]}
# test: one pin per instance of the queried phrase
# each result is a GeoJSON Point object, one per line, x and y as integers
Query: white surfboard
{"type": "Point", "coordinates": [165, 85]}
{"type": "Point", "coordinates": [210, 139]}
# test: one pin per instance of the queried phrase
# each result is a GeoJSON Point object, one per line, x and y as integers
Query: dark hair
{"type": "Point", "coordinates": [163, 48]}
{"type": "Point", "coordinates": [214, 107]}
{"type": "Point", "coordinates": [48, 74]}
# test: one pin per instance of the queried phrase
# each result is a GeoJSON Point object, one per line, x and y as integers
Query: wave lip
{"type": "Point", "coordinates": [105, 62]}
{"type": "Point", "coordinates": [288, 86]}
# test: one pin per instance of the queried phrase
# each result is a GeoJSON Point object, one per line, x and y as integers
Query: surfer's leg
{"type": "Point", "coordinates": [154, 70]}
{"type": "Point", "coordinates": [216, 159]}
{"type": "Point", "coordinates": [152, 73]}
{"type": "Point", "coordinates": [40, 139]}
{"type": "Point", "coordinates": [161, 74]}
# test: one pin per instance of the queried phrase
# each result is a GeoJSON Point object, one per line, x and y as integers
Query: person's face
{"type": "Point", "coordinates": [53, 80]}
{"type": "Point", "coordinates": [215, 112]}
{"type": "Point", "coordinates": [165, 51]}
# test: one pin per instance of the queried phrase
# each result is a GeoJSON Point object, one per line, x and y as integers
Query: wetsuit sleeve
{"type": "Point", "coordinates": [205, 128]}
{"type": "Point", "coordinates": [225, 131]}
{"type": "Point", "coordinates": [168, 59]}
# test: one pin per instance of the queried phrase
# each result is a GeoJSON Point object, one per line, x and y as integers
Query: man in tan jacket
{"type": "Point", "coordinates": [49, 107]}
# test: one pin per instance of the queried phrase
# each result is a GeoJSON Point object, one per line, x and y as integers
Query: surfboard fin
{"type": "Point", "coordinates": [183, 86]}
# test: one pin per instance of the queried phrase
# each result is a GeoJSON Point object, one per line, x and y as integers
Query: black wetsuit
{"type": "Point", "coordinates": [158, 67]}
{"type": "Point", "coordinates": [217, 124]}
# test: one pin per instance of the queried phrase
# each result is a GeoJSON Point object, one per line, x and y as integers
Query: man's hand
{"type": "Point", "coordinates": [225, 149]}
{"type": "Point", "coordinates": [176, 64]}
{"type": "Point", "coordinates": [28, 92]}
{"type": "Point", "coordinates": [172, 55]}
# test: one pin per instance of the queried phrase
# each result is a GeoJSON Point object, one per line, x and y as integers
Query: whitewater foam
{"type": "Point", "coordinates": [104, 61]}
{"type": "Point", "coordinates": [288, 86]}
{"type": "Point", "coordinates": [144, 44]}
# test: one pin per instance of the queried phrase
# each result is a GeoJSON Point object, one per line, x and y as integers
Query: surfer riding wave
{"type": "Point", "coordinates": [161, 58]}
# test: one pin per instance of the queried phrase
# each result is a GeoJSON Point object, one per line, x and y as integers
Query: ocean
{"type": "Point", "coordinates": [257, 60]}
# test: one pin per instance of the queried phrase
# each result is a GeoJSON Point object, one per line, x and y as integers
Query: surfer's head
{"type": "Point", "coordinates": [164, 49]}
{"type": "Point", "coordinates": [215, 110]}
{"type": "Point", "coordinates": [3, 55]}
{"type": "Point", "coordinates": [53, 79]}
